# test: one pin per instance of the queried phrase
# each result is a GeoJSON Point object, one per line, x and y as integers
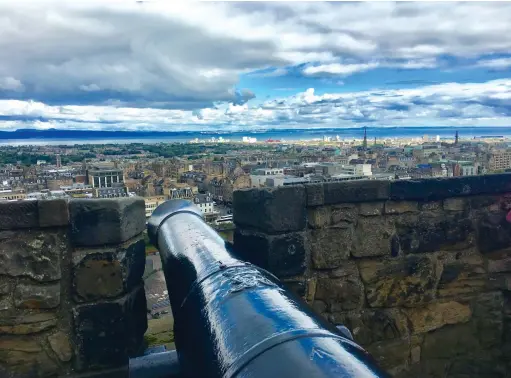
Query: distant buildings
{"type": "Point", "coordinates": [151, 203]}
{"type": "Point", "coordinates": [104, 177]}
{"type": "Point", "coordinates": [500, 159]}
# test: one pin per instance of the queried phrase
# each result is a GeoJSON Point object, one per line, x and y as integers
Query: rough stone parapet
{"type": "Point", "coordinates": [419, 270]}
{"type": "Point", "coordinates": [53, 264]}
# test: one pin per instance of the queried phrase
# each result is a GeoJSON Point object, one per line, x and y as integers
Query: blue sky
{"type": "Point", "coordinates": [157, 65]}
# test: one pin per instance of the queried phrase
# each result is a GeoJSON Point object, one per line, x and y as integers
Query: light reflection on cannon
{"type": "Point", "coordinates": [233, 319]}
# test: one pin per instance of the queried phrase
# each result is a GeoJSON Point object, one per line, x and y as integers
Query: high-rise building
{"type": "Point", "coordinates": [58, 161]}
{"type": "Point", "coordinates": [457, 137]}
{"type": "Point", "coordinates": [364, 144]}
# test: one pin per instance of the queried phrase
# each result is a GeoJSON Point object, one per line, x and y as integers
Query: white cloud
{"type": "Point", "coordinates": [442, 104]}
{"type": "Point", "coordinates": [189, 55]}
{"type": "Point", "coordinates": [339, 69]}
{"type": "Point", "coordinates": [497, 64]}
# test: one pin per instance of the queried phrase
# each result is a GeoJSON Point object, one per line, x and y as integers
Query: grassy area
{"type": "Point", "coordinates": [160, 332]}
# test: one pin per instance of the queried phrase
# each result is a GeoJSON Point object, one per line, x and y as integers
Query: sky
{"type": "Point", "coordinates": [183, 65]}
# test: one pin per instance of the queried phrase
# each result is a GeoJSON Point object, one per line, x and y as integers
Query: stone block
{"type": "Point", "coordinates": [96, 222]}
{"type": "Point", "coordinates": [109, 272]}
{"type": "Point", "coordinates": [356, 191]}
{"type": "Point", "coordinates": [347, 268]}
{"type": "Point", "coordinates": [455, 204]}
{"type": "Point", "coordinates": [373, 237]}
{"type": "Point", "coordinates": [494, 232]}
{"type": "Point", "coordinates": [27, 324]}
{"type": "Point", "coordinates": [370, 208]}
{"type": "Point", "coordinates": [499, 262]}
{"type": "Point", "coordinates": [330, 246]}
{"type": "Point", "coordinates": [24, 357]}
{"type": "Point", "coordinates": [271, 210]}
{"type": "Point", "coordinates": [401, 207]}
{"type": "Point", "coordinates": [340, 294]}
{"type": "Point", "coordinates": [108, 333]}
{"type": "Point", "coordinates": [432, 233]}
{"type": "Point", "coordinates": [391, 355]}
{"type": "Point", "coordinates": [408, 282]}
{"type": "Point", "coordinates": [437, 315]}
{"type": "Point", "coordinates": [430, 206]}
{"type": "Point", "coordinates": [463, 275]}
{"type": "Point", "coordinates": [449, 342]}
{"type": "Point", "coordinates": [314, 194]}
{"type": "Point", "coordinates": [53, 213]}
{"type": "Point", "coordinates": [370, 326]}
{"type": "Point", "coordinates": [319, 217]}
{"type": "Point", "coordinates": [18, 214]}
{"type": "Point", "coordinates": [283, 255]}
{"type": "Point", "coordinates": [344, 215]}
{"type": "Point", "coordinates": [32, 253]}
{"type": "Point", "coordinates": [441, 188]}
{"type": "Point", "coordinates": [61, 345]}
{"type": "Point", "coordinates": [37, 296]}
{"type": "Point", "coordinates": [488, 319]}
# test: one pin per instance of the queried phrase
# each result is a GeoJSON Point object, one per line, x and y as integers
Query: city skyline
{"type": "Point", "coordinates": [242, 66]}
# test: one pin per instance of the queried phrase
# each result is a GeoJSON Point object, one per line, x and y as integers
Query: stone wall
{"type": "Point", "coordinates": [420, 271]}
{"type": "Point", "coordinates": [71, 292]}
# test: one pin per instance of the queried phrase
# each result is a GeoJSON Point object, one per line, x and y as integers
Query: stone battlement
{"type": "Point", "coordinates": [71, 293]}
{"type": "Point", "coordinates": [419, 270]}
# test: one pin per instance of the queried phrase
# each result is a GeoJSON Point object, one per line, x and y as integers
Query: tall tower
{"type": "Point", "coordinates": [58, 161]}
{"type": "Point", "coordinates": [457, 138]}
{"type": "Point", "coordinates": [364, 144]}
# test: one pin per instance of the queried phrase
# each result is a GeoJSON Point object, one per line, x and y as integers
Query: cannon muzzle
{"type": "Point", "coordinates": [233, 319]}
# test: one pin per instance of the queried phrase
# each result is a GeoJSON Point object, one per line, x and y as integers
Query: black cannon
{"type": "Point", "coordinates": [233, 319]}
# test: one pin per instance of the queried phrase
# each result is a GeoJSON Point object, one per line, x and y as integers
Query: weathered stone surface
{"type": "Point", "coordinates": [370, 208]}
{"type": "Point", "coordinates": [310, 292]}
{"type": "Point", "coordinates": [340, 293]}
{"type": "Point", "coordinates": [484, 202]}
{"type": "Point", "coordinates": [101, 330]}
{"type": "Point", "coordinates": [287, 254]}
{"type": "Point", "coordinates": [436, 233]}
{"type": "Point", "coordinates": [5, 287]}
{"type": "Point", "coordinates": [60, 344]}
{"type": "Point", "coordinates": [271, 210]}
{"type": "Point", "coordinates": [319, 216]}
{"type": "Point", "coordinates": [373, 237]}
{"type": "Point", "coordinates": [400, 207]}
{"type": "Point", "coordinates": [369, 326]}
{"type": "Point", "coordinates": [499, 262]}
{"type": "Point", "coordinates": [283, 255]}
{"type": "Point", "coordinates": [330, 247]}
{"type": "Point", "coordinates": [314, 194]}
{"type": "Point", "coordinates": [430, 206]}
{"type": "Point", "coordinates": [347, 268]}
{"type": "Point", "coordinates": [487, 309]}
{"type": "Point", "coordinates": [407, 282]}
{"type": "Point", "coordinates": [53, 212]}
{"type": "Point", "coordinates": [494, 232]}
{"type": "Point", "coordinates": [35, 254]}
{"type": "Point", "coordinates": [463, 275]}
{"type": "Point", "coordinates": [391, 355]}
{"type": "Point", "coordinates": [18, 214]}
{"type": "Point", "coordinates": [95, 222]}
{"type": "Point", "coordinates": [24, 357]}
{"type": "Point", "coordinates": [356, 191]}
{"type": "Point", "coordinates": [436, 315]}
{"type": "Point", "coordinates": [26, 324]}
{"type": "Point", "coordinates": [440, 188]}
{"type": "Point", "coordinates": [109, 272]}
{"type": "Point", "coordinates": [455, 204]}
{"type": "Point", "coordinates": [37, 296]}
{"type": "Point", "coordinates": [344, 215]}
{"type": "Point", "coordinates": [450, 341]}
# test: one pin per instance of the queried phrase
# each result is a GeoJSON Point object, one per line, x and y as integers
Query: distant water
{"type": "Point", "coordinates": [65, 137]}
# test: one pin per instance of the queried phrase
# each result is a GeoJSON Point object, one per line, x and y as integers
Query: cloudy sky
{"type": "Point", "coordinates": [178, 65]}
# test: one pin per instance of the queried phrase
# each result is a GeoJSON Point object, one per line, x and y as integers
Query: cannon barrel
{"type": "Point", "coordinates": [233, 319]}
